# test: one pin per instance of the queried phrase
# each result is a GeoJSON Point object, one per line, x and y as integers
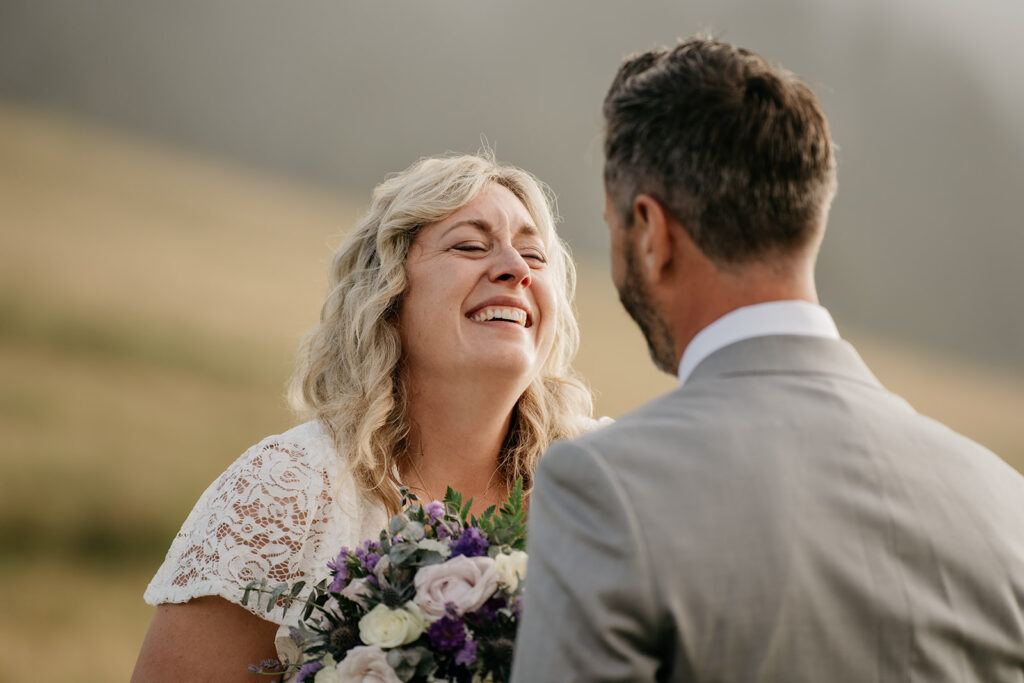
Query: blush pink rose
{"type": "Point", "coordinates": [465, 582]}
{"type": "Point", "coordinates": [366, 664]}
{"type": "Point", "coordinates": [357, 590]}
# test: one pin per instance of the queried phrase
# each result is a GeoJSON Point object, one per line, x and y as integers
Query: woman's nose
{"type": "Point", "coordinates": [510, 266]}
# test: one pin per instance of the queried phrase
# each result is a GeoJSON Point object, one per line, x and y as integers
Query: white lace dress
{"type": "Point", "coordinates": [279, 512]}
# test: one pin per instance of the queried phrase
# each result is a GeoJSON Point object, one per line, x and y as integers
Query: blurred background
{"type": "Point", "coordinates": [173, 177]}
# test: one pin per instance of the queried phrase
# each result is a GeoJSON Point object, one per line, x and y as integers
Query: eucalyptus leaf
{"type": "Point", "coordinates": [293, 594]}
{"type": "Point", "coordinates": [251, 586]}
{"type": "Point", "coordinates": [426, 557]}
{"type": "Point", "coordinates": [413, 531]}
{"type": "Point", "coordinates": [398, 522]}
{"type": "Point", "coordinates": [400, 552]}
{"type": "Point", "coordinates": [409, 663]}
{"type": "Point", "coordinates": [275, 594]}
{"type": "Point", "coordinates": [427, 664]}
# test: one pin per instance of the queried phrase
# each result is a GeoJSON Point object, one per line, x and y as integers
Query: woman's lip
{"type": "Point", "coordinates": [503, 302]}
{"type": "Point", "coordinates": [512, 314]}
{"type": "Point", "coordinates": [499, 322]}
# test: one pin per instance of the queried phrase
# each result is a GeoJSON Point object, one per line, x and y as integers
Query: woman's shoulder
{"type": "Point", "coordinates": [279, 512]}
{"type": "Point", "coordinates": [305, 461]}
{"type": "Point", "coordinates": [301, 457]}
{"type": "Point", "coordinates": [307, 443]}
{"type": "Point", "coordinates": [304, 452]}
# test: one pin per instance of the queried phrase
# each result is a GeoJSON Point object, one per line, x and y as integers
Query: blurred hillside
{"type": "Point", "coordinates": [150, 301]}
{"type": "Point", "coordinates": [925, 236]}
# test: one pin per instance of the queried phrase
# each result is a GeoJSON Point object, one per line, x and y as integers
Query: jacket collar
{"type": "Point", "coordinates": [785, 354]}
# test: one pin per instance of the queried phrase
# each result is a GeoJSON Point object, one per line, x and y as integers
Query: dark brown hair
{"type": "Point", "coordinates": [736, 149]}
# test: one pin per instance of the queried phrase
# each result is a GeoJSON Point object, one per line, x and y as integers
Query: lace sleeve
{"type": "Point", "coordinates": [260, 518]}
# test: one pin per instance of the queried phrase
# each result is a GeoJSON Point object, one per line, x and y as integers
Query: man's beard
{"type": "Point", "coordinates": [637, 303]}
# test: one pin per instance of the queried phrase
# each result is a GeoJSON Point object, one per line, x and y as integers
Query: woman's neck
{"type": "Point", "coordinates": [456, 439]}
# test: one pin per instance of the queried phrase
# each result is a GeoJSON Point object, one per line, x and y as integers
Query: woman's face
{"type": "Point", "coordinates": [480, 297]}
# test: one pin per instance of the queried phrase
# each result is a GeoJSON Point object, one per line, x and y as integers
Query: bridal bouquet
{"type": "Point", "coordinates": [435, 598]}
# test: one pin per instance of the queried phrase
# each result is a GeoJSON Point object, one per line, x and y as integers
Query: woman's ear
{"type": "Point", "coordinates": [656, 239]}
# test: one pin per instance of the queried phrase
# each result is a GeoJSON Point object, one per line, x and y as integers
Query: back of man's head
{"type": "Point", "coordinates": [736, 149]}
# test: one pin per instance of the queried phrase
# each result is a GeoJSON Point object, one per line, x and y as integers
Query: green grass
{"type": "Point", "coordinates": [111, 431]}
{"type": "Point", "coordinates": [78, 622]}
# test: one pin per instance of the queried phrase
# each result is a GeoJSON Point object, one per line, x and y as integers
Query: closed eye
{"type": "Point", "coordinates": [469, 247]}
{"type": "Point", "coordinates": [535, 256]}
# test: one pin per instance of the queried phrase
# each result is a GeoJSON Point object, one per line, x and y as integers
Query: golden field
{"type": "Point", "coordinates": [150, 301]}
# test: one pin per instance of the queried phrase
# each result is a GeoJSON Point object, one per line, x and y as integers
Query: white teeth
{"type": "Point", "coordinates": [517, 315]}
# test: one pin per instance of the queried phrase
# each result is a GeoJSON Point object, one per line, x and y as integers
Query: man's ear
{"type": "Point", "coordinates": [656, 241]}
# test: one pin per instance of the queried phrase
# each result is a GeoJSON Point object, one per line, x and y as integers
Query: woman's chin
{"type": "Point", "coordinates": [511, 367]}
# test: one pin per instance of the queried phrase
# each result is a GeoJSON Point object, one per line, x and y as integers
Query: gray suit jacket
{"type": "Point", "coordinates": [781, 517]}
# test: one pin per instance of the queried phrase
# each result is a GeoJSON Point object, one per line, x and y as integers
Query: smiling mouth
{"type": "Point", "coordinates": [501, 314]}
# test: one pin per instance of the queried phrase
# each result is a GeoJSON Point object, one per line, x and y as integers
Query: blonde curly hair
{"type": "Point", "coordinates": [348, 368]}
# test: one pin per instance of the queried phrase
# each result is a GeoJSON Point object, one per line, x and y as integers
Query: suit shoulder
{"type": "Point", "coordinates": [675, 410]}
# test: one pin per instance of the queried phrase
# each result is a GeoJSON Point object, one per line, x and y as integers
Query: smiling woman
{"type": "Point", "coordinates": [481, 303]}
{"type": "Point", "coordinates": [442, 359]}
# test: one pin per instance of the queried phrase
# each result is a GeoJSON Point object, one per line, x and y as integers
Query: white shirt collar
{"type": "Point", "coordinates": [759, 320]}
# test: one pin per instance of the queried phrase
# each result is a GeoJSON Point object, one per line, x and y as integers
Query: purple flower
{"type": "Point", "coordinates": [370, 561]}
{"type": "Point", "coordinates": [435, 511]}
{"type": "Point", "coordinates": [367, 555]}
{"type": "Point", "coordinates": [491, 607]}
{"type": "Point", "coordinates": [307, 671]}
{"type": "Point", "coordinates": [487, 612]}
{"type": "Point", "coordinates": [471, 543]}
{"type": "Point", "coordinates": [338, 583]}
{"type": "Point", "coordinates": [339, 565]}
{"type": "Point", "coordinates": [447, 634]}
{"type": "Point", "coordinates": [265, 666]}
{"type": "Point", "coordinates": [467, 654]}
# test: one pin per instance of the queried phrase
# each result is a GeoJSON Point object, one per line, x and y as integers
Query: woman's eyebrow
{"type": "Point", "coordinates": [485, 227]}
{"type": "Point", "coordinates": [477, 223]}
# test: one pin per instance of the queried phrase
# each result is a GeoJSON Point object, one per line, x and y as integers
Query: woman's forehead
{"type": "Point", "coordinates": [495, 208]}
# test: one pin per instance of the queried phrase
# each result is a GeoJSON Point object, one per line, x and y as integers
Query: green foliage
{"type": "Point", "coordinates": [410, 663]}
{"type": "Point", "coordinates": [504, 527]}
{"type": "Point", "coordinates": [508, 526]}
{"type": "Point", "coordinates": [282, 595]}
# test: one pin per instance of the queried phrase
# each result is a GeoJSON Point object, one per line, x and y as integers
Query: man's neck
{"type": "Point", "coordinates": [723, 292]}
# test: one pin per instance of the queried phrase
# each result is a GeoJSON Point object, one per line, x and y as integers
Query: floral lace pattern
{"type": "Point", "coordinates": [279, 512]}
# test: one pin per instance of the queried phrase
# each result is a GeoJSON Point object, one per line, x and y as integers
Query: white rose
{"type": "Point", "coordinates": [386, 627]}
{"type": "Point", "coordinates": [511, 568]}
{"type": "Point", "coordinates": [328, 674]}
{"type": "Point", "coordinates": [465, 582]}
{"type": "Point", "coordinates": [366, 664]}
